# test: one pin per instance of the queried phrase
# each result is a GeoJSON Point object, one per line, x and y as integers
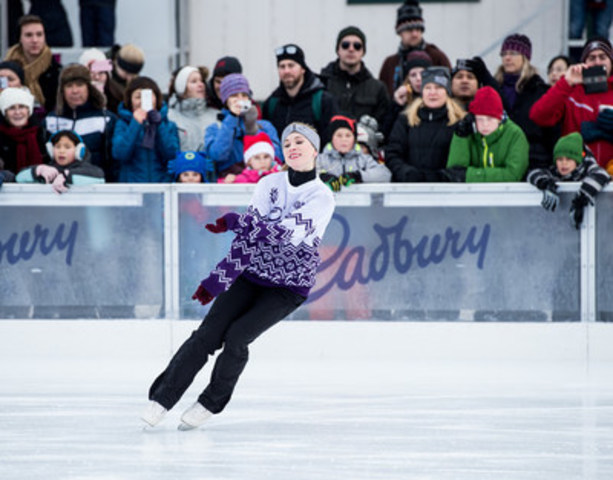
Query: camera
{"type": "Point", "coordinates": [595, 79]}
{"type": "Point", "coordinates": [244, 105]}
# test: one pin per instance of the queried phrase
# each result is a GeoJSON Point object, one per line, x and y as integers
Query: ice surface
{"type": "Point", "coordinates": [70, 399]}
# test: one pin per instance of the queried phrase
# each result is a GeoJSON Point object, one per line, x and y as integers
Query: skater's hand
{"type": "Point", "coordinates": [202, 295]}
{"type": "Point", "coordinates": [219, 226]}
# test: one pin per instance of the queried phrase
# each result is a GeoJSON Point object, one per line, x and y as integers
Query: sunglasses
{"type": "Point", "coordinates": [287, 49]}
{"type": "Point", "coordinates": [356, 45]}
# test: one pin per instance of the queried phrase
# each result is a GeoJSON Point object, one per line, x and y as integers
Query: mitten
{"type": "Point", "coordinates": [219, 226]}
{"type": "Point", "coordinates": [348, 179]}
{"type": "Point", "coordinates": [605, 119]}
{"type": "Point", "coordinates": [154, 117]}
{"type": "Point", "coordinates": [484, 77]}
{"type": "Point", "coordinates": [332, 181]}
{"type": "Point", "coordinates": [47, 172]}
{"type": "Point", "coordinates": [59, 184]}
{"type": "Point", "coordinates": [202, 295]}
{"type": "Point", "coordinates": [455, 174]}
{"type": "Point", "coordinates": [577, 208]}
{"type": "Point", "coordinates": [250, 117]}
{"type": "Point", "coordinates": [551, 199]}
{"type": "Point", "coordinates": [466, 126]}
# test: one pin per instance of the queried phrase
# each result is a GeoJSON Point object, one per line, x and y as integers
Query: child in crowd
{"type": "Point", "coordinates": [496, 152]}
{"type": "Point", "coordinates": [573, 162]}
{"type": "Point", "coordinates": [70, 165]}
{"type": "Point", "coordinates": [343, 163]}
{"type": "Point", "coordinates": [144, 139]}
{"type": "Point", "coordinates": [259, 158]}
{"type": "Point", "coordinates": [189, 167]}
{"type": "Point", "coordinates": [223, 140]}
{"type": "Point", "coordinates": [369, 137]}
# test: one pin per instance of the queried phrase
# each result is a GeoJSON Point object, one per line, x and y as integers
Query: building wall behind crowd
{"type": "Point", "coordinates": [252, 29]}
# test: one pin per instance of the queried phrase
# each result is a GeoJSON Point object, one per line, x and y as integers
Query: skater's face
{"type": "Point", "coordinates": [32, 39]}
{"type": "Point", "coordinates": [299, 153]}
{"type": "Point", "coordinates": [64, 151]}
{"type": "Point", "coordinates": [565, 165]}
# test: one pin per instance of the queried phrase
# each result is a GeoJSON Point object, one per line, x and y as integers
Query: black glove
{"type": "Point", "coordinates": [455, 174]}
{"type": "Point", "coordinates": [484, 77]}
{"type": "Point", "coordinates": [466, 126]}
{"type": "Point", "coordinates": [577, 207]}
{"type": "Point", "coordinates": [551, 199]}
{"type": "Point", "coordinates": [250, 117]}
{"type": "Point", "coordinates": [348, 179]}
{"type": "Point", "coordinates": [605, 119]}
{"type": "Point", "coordinates": [154, 117]}
{"type": "Point", "coordinates": [332, 181]}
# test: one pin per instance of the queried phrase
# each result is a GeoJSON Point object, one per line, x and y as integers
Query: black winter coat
{"type": "Point", "coordinates": [357, 95]}
{"type": "Point", "coordinates": [299, 108]}
{"type": "Point", "coordinates": [416, 154]}
{"type": "Point", "coordinates": [541, 139]}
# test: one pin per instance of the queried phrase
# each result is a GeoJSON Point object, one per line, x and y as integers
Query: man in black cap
{"type": "Point", "coordinates": [410, 27]}
{"type": "Point", "coordinates": [223, 67]}
{"type": "Point", "coordinates": [347, 78]}
{"type": "Point", "coordinates": [300, 96]}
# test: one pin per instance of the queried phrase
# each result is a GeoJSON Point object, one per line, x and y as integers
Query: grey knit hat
{"type": "Point", "coordinates": [307, 132]}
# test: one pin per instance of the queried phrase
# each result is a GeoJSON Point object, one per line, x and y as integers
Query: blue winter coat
{"type": "Point", "coordinates": [136, 163]}
{"type": "Point", "coordinates": [223, 140]}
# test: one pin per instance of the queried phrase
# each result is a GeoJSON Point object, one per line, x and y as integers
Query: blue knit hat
{"type": "Point", "coordinates": [233, 84]}
{"type": "Point", "coordinates": [187, 162]}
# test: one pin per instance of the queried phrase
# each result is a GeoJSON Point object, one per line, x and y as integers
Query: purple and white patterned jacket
{"type": "Point", "coordinates": [277, 238]}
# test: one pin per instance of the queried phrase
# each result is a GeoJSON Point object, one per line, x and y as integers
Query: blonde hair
{"type": "Point", "coordinates": [527, 72]}
{"type": "Point", "coordinates": [131, 53]}
{"type": "Point", "coordinates": [455, 113]}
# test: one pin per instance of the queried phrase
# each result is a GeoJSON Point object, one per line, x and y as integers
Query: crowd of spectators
{"type": "Point", "coordinates": [421, 120]}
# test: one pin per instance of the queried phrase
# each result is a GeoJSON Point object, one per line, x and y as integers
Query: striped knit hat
{"type": "Point", "coordinates": [598, 43]}
{"type": "Point", "coordinates": [233, 84]}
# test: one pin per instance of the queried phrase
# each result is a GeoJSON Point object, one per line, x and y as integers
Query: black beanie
{"type": "Point", "coordinates": [16, 68]}
{"type": "Point", "coordinates": [351, 31]}
{"type": "Point", "coordinates": [340, 121]}
{"type": "Point", "coordinates": [291, 52]}
{"type": "Point", "coordinates": [409, 15]}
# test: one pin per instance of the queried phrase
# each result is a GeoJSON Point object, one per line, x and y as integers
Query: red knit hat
{"type": "Point", "coordinates": [487, 102]}
{"type": "Point", "coordinates": [254, 144]}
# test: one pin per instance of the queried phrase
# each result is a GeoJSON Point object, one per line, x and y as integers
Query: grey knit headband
{"type": "Point", "coordinates": [304, 130]}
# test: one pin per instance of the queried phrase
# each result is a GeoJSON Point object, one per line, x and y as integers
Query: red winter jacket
{"type": "Point", "coordinates": [572, 106]}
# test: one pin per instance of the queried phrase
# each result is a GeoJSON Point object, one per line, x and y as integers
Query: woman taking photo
{"type": "Point", "coordinates": [419, 143]}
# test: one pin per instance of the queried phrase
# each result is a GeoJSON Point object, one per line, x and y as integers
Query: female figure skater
{"type": "Point", "coordinates": [266, 275]}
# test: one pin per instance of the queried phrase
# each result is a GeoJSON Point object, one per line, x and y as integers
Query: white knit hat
{"type": "Point", "coordinates": [16, 96]}
{"type": "Point", "coordinates": [181, 79]}
{"type": "Point", "coordinates": [91, 55]}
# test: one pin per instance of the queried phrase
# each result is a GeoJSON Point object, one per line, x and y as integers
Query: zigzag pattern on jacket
{"type": "Point", "coordinates": [264, 249]}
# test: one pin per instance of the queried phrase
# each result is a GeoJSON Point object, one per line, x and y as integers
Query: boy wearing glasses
{"type": "Point", "coordinates": [347, 78]}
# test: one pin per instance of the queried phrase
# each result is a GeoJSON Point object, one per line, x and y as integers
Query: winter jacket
{"type": "Point", "coordinates": [136, 163]}
{"type": "Point", "coordinates": [79, 172]}
{"type": "Point", "coordinates": [333, 162]}
{"type": "Point", "coordinates": [392, 73]}
{"type": "Point", "coordinates": [192, 117]}
{"type": "Point", "coordinates": [502, 156]}
{"type": "Point", "coordinates": [223, 141]}
{"type": "Point", "coordinates": [281, 109]}
{"type": "Point", "coordinates": [572, 106]}
{"type": "Point", "coordinates": [357, 95]}
{"type": "Point", "coordinates": [94, 124]}
{"type": "Point", "coordinates": [416, 154]}
{"type": "Point", "coordinates": [593, 177]}
{"type": "Point", "coordinates": [541, 139]}
{"type": "Point", "coordinates": [250, 175]}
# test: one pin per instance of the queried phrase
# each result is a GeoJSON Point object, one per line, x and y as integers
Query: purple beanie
{"type": "Point", "coordinates": [233, 84]}
{"type": "Point", "coordinates": [517, 43]}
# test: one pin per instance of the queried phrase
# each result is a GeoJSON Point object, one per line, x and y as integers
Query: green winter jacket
{"type": "Point", "coordinates": [502, 156]}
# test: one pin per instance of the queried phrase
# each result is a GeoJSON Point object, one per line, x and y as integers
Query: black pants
{"type": "Point", "coordinates": [237, 318]}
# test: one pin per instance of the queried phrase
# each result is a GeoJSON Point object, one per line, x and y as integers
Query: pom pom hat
{"type": "Point", "coordinates": [487, 102]}
{"type": "Point", "coordinates": [255, 144]}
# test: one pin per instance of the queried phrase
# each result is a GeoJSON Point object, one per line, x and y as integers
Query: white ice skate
{"type": "Point", "coordinates": [194, 416]}
{"type": "Point", "coordinates": [153, 414]}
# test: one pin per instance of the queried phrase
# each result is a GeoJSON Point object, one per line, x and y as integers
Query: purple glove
{"type": "Point", "coordinates": [202, 295]}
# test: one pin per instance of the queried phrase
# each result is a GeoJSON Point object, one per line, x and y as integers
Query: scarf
{"type": "Point", "coordinates": [27, 152]}
{"type": "Point", "coordinates": [32, 70]}
{"type": "Point", "coordinates": [154, 118]}
{"type": "Point", "coordinates": [508, 88]}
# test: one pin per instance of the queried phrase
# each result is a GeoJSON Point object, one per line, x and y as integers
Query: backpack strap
{"type": "Point", "coordinates": [316, 105]}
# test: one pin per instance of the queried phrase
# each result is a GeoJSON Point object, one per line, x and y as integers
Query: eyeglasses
{"type": "Point", "coordinates": [288, 49]}
{"type": "Point", "coordinates": [512, 53]}
{"type": "Point", "coordinates": [356, 45]}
